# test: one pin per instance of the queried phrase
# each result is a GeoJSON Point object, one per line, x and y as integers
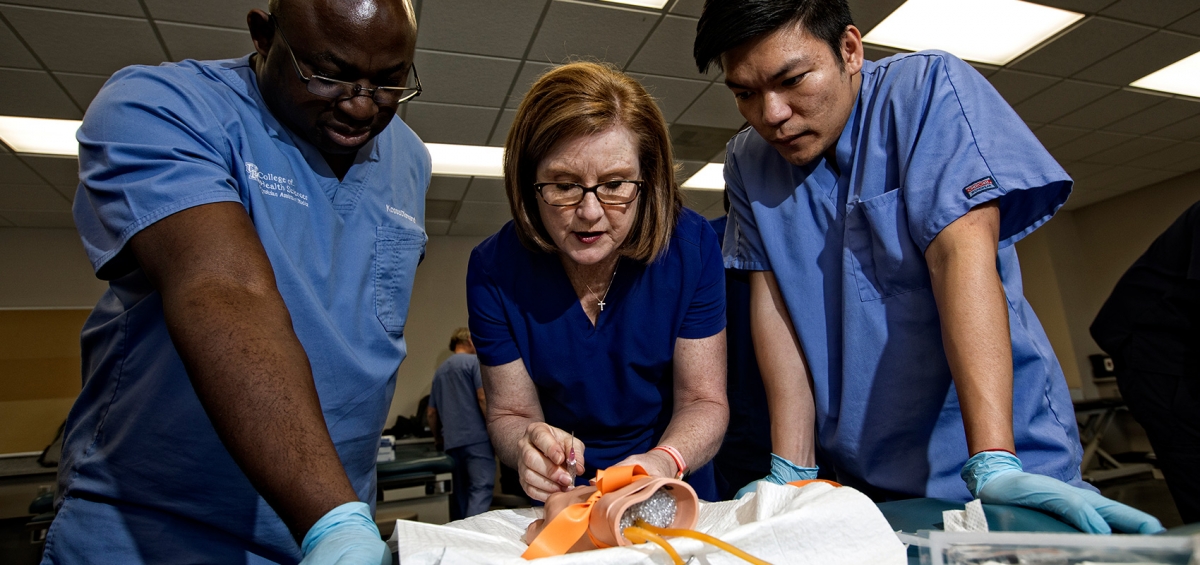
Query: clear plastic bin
{"type": "Point", "coordinates": [1005, 548]}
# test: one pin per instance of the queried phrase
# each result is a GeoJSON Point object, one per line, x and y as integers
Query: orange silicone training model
{"type": "Point", "coordinates": [597, 512]}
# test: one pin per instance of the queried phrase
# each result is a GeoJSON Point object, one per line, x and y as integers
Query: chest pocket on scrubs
{"type": "Point", "coordinates": [887, 260]}
{"type": "Point", "coordinates": [397, 253]}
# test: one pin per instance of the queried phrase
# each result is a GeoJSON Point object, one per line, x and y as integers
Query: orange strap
{"type": "Point", "coordinates": [810, 481]}
{"type": "Point", "coordinates": [565, 529]}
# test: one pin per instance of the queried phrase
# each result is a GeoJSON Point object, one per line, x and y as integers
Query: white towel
{"type": "Point", "coordinates": [817, 523]}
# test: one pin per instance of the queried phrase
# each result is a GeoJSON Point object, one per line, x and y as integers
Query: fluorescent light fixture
{"type": "Point", "coordinates": [57, 137]}
{"type": "Point", "coordinates": [467, 160]}
{"type": "Point", "coordinates": [1181, 77]}
{"type": "Point", "coordinates": [711, 177]}
{"type": "Point", "coordinates": [985, 31]}
{"type": "Point", "coordinates": [656, 4]}
{"type": "Point", "coordinates": [40, 135]}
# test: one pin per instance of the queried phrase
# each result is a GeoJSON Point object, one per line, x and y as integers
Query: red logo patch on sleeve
{"type": "Point", "coordinates": [979, 187]}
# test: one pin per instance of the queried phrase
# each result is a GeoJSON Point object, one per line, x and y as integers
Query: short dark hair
{"type": "Point", "coordinates": [726, 24]}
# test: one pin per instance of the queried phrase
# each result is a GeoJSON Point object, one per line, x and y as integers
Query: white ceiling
{"type": "Point", "coordinates": [478, 57]}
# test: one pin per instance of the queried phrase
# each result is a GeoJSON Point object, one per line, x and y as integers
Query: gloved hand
{"type": "Point", "coordinates": [996, 477]}
{"type": "Point", "coordinates": [782, 473]}
{"type": "Point", "coordinates": [345, 535]}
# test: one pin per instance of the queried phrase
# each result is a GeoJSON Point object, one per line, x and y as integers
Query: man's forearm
{"type": "Point", "coordinates": [975, 331]}
{"type": "Point", "coordinates": [253, 378]}
{"type": "Point", "coordinates": [785, 375]}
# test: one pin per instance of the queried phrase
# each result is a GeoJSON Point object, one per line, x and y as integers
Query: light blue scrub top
{"type": "Point", "coordinates": [928, 139]}
{"type": "Point", "coordinates": [144, 477]}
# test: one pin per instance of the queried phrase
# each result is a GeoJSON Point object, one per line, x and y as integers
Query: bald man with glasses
{"type": "Point", "coordinates": [259, 221]}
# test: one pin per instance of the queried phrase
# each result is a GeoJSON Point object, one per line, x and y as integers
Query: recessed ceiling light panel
{"type": "Point", "coordinates": [656, 4]}
{"type": "Point", "coordinates": [40, 135]}
{"type": "Point", "coordinates": [711, 177]}
{"type": "Point", "coordinates": [1182, 77]}
{"type": "Point", "coordinates": [985, 31]}
{"type": "Point", "coordinates": [466, 160]}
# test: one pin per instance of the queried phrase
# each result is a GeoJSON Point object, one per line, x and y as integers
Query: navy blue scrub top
{"type": "Point", "coordinates": [612, 383]}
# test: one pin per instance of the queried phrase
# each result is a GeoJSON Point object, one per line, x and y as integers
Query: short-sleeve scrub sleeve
{"type": "Point", "coordinates": [705, 315]}
{"type": "Point", "coordinates": [963, 145]}
{"type": "Point", "coordinates": [148, 147]}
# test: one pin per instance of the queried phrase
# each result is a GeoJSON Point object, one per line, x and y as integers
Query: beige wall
{"type": "Point", "coordinates": [439, 306]}
{"type": "Point", "coordinates": [1071, 264]}
{"type": "Point", "coordinates": [46, 268]}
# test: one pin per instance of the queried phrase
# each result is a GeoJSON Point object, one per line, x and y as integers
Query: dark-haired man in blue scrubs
{"type": "Point", "coordinates": [878, 203]}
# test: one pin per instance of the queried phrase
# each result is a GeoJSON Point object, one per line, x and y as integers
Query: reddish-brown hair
{"type": "Point", "coordinates": [584, 99]}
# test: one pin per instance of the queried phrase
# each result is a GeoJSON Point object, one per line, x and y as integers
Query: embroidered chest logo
{"type": "Point", "coordinates": [276, 186]}
{"type": "Point", "coordinates": [399, 212]}
{"type": "Point", "coordinates": [979, 187]}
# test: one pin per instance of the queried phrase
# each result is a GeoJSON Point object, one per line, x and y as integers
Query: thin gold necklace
{"type": "Point", "coordinates": [601, 302]}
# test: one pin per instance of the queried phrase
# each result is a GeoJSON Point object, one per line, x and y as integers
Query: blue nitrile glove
{"type": "Point", "coordinates": [996, 477]}
{"type": "Point", "coordinates": [782, 473]}
{"type": "Point", "coordinates": [345, 535]}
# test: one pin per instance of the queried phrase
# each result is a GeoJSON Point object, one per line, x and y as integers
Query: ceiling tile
{"type": "Point", "coordinates": [1083, 6]}
{"type": "Point", "coordinates": [715, 108]}
{"type": "Point", "coordinates": [1083, 197]}
{"type": "Point", "coordinates": [460, 228]}
{"type": "Point", "coordinates": [686, 169]}
{"type": "Point", "coordinates": [691, 8]}
{"type": "Point", "coordinates": [1142, 58]}
{"type": "Point", "coordinates": [4, 223]}
{"type": "Point", "coordinates": [1190, 24]}
{"type": "Point", "coordinates": [1157, 13]}
{"type": "Point", "coordinates": [116, 7]}
{"type": "Point", "coordinates": [464, 79]}
{"type": "Point", "coordinates": [1130, 150]}
{"type": "Point", "coordinates": [877, 52]}
{"type": "Point", "coordinates": [13, 171]}
{"type": "Point", "coordinates": [1088, 144]}
{"type": "Point", "coordinates": [530, 72]}
{"type": "Point", "coordinates": [486, 190]}
{"type": "Point", "coordinates": [62, 172]}
{"type": "Point", "coordinates": [13, 53]}
{"type": "Point", "coordinates": [1117, 176]}
{"type": "Point", "coordinates": [487, 213]}
{"type": "Point", "coordinates": [1111, 108]}
{"type": "Point", "coordinates": [39, 219]}
{"type": "Point", "coordinates": [437, 227]}
{"type": "Point", "coordinates": [1182, 157]}
{"type": "Point", "coordinates": [713, 212]}
{"type": "Point", "coordinates": [672, 94]}
{"type": "Point", "coordinates": [1016, 86]}
{"type": "Point", "coordinates": [439, 210]}
{"type": "Point", "coordinates": [82, 88]}
{"type": "Point", "coordinates": [25, 197]}
{"type": "Point", "coordinates": [447, 188]}
{"type": "Point", "coordinates": [701, 199]}
{"type": "Point", "coordinates": [223, 13]}
{"type": "Point", "coordinates": [1059, 100]}
{"type": "Point", "coordinates": [868, 13]}
{"type": "Point", "coordinates": [1156, 117]}
{"type": "Point", "coordinates": [86, 43]}
{"type": "Point", "coordinates": [1080, 171]}
{"type": "Point", "coordinates": [1184, 130]}
{"type": "Point", "coordinates": [499, 29]}
{"type": "Point", "coordinates": [1148, 177]}
{"type": "Point", "coordinates": [501, 132]}
{"type": "Point", "coordinates": [450, 123]}
{"type": "Point", "coordinates": [1091, 41]}
{"type": "Point", "coordinates": [575, 31]}
{"type": "Point", "coordinates": [188, 41]}
{"type": "Point", "coordinates": [668, 51]}
{"type": "Point", "coordinates": [38, 96]}
{"type": "Point", "coordinates": [698, 143]}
